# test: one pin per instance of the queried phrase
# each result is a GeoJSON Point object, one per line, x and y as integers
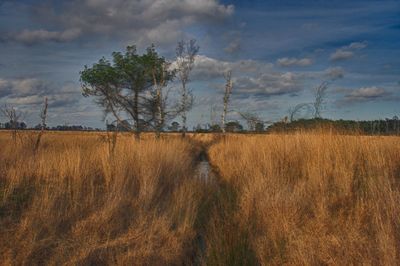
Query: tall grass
{"type": "Point", "coordinates": [298, 199]}
{"type": "Point", "coordinates": [309, 199]}
{"type": "Point", "coordinates": [73, 202]}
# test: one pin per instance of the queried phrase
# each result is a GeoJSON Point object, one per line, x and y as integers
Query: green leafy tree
{"type": "Point", "coordinates": [234, 126]}
{"type": "Point", "coordinates": [174, 127]}
{"type": "Point", "coordinates": [259, 127]}
{"type": "Point", "coordinates": [125, 86]}
{"type": "Point", "coordinates": [214, 128]}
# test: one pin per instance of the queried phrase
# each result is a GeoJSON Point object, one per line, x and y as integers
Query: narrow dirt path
{"type": "Point", "coordinates": [220, 240]}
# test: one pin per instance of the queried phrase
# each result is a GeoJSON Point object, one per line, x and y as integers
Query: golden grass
{"type": "Point", "coordinates": [299, 199]}
{"type": "Point", "coordinates": [312, 199]}
{"type": "Point", "coordinates": [75, 203]}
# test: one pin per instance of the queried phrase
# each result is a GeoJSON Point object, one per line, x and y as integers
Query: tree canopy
{"type": "Point", "coordinates": [129, 86]}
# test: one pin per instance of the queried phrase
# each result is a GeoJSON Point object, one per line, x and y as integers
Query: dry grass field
{"type": "Point", "coordinates": [299, 199]}
{"type": "Point", "coordinates": [313, 199]}
{"type": "Point", "coordinates": [73, 202]}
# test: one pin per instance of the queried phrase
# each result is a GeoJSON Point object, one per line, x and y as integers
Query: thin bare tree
{"type": "Point", "coordinates": [396, 124]}
{"type": "Point", "coordinates": [159, 85]}
{"type": "Point", "coordinates": [186, 52]}
{"type": "Point", "coordinates": [111, 137]}
{"type": "Point", "coordinates": [227, 94]}
{"type": "Point", "coordinates": [14, 116]}
{"type": "Point", "coordinates": [299, 109]}
{"type": "Point", "coordinates": [163, 109]}
{"type": "Point", "coordinates": [213, 115]}
{"type": "Point", "coordinates": [43, 118]}
{"type": "Point", "coordinates": [320, 93]}
{"type": "Point", "coordinates": [251, 119]}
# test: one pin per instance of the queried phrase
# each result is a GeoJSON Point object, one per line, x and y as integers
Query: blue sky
{"type": "Point", "coordinates": [278, 52]}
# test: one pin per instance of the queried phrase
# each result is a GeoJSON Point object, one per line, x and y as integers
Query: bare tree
{"type": "Point", "coordinates": [319, 93]}
{"type": "Point", "coordinates": [158, 97]}
{"type": "Point", "coordinates": [185, 56]}
{"type": "Point", "coordinates": [315, 107]}
{"type": "Point", "coordinates": [14, 116]}
{"type": "Point", "coordinates": [111, 138]}
{"type": "Point", "coordinates": [163, 109]}
{"type": "Point", "coordinates": [227, 94]}
{"type": "Point", "coordinates": [252, 120]}
{"type": "Point", "coordinates": [43, 118]}
{"type": "Point", "coordinates": [396, 124]}
{"type": "Point", "coordinates": [213, 115]}
{"type": "Point", "coordinates": [299, 109]}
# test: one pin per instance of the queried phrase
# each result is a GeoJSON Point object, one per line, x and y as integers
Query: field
{"type": "Point", "coordinates": [316, 198]}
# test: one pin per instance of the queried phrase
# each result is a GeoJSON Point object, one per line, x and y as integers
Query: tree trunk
{"type": "Point", "coordinates": [228, 90]}
{"type": "Point", "coordinates": [136, 114]}
{"type": "Point", "coordinates": [223, 117]}
{"type": "Point", "coordinates": [159, 102]}
{"type": "Point", "coordinates": [184, 103]}
{"type": "Point", "coordinates": [160, 111]}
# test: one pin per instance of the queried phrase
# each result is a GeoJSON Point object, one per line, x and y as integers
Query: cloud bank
{"type": "Point", "coordinates": [366, 94]}
{"type": "Point", "coordinates": [145, 21]}
{"type": "Point", "coordinates": [30, 92]}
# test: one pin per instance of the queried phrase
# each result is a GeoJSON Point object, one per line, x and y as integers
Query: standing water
{"type": "Point", "coordinates": [204, 171]}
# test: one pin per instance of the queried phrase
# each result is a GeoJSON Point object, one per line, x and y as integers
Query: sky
{"type": "Point", "coordinates": [278, 51]}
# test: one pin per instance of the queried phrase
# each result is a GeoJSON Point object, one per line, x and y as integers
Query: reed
{"type": "Point", "coordinates": [305, 198]}
{"type": "Point", "coordinates": [314, 198]}
{"type": "Point", "coordinates": [74, 203]}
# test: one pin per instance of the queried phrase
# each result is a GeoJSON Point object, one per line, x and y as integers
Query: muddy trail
{"type": "Point", "coordinates": [220, 239]}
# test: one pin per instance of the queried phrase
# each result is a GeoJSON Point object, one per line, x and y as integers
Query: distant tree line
{"type": "Point", "coordinates": [23, 126]}
{"type": "Point", "coordinates": [383, 126]}
{"type": "Point", "coordinates": [13, 125]}
{"type": "Point", "coordinates": [388, 126]}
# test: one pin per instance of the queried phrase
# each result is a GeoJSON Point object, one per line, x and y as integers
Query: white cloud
{"type": "Point", "coordinates": [168, 32]}
{"type": "Point", "coordinates": [269, 84]}
{"type": "Point", "coordinates": [347, 52]}
{"type": "Point", "coordinates": [358, 45]}
{"type": "Point", "coordinates": [5, 88]}
{"type": "Point", "coordinates": [287, 62]}
{"type": "Point", "coordinates": [38, 36]}
{"type": "Point", "coordinates": [341, 55]}
{"type": "Point", "coordinates": [207, 67]}
{"type": "Point", "coordinates": [143, 21]}
{"type": "Point", "coordinates": [366, 94]}
{"type": "Point", "coordinates": [233, 38]}
{"type": "Point", "coordinates": [249, 76]}
{"type": "Point", "coordinates": [334, 73]}
{"type": "Point", "coordinates": [30, 92]}
{"type": "Point", "coordinates": [233, 46]}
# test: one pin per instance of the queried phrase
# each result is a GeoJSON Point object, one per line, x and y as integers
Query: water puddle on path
{"type": "Point", "coordinates": [205, 174]}
{"type": "Point", "coordinates": [204, 169]}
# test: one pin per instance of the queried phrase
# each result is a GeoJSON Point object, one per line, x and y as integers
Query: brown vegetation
{"type": "Point", "coordinates": [298, 199]}
{"type": "Point", "coordinates": [74, 202]}
{"type": "Point", "coordinates": [313, 199]}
